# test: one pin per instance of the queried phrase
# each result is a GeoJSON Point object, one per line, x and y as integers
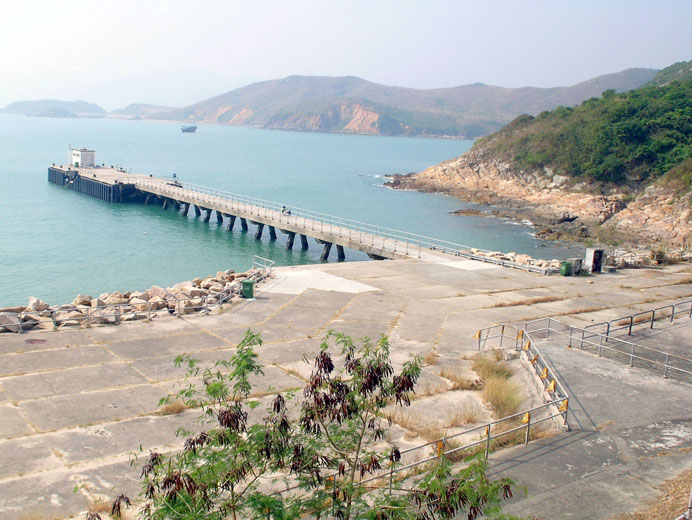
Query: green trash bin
{"type": "Point", "coordinates": [248, 289]}
{"type": "Point", "coordinates": [566, 269]}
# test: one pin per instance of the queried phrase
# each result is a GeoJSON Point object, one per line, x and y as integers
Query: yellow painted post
{"type": "Point", "coordinates": [527, 421]}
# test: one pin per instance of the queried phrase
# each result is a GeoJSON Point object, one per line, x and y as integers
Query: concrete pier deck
{"type": "Point", "coordinates": [76, 405]}
{"type": "Point", "coordinates": [116, 185]}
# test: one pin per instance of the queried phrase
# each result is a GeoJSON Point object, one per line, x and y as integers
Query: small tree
{"type": "Point", "coordinates": [323, 459]}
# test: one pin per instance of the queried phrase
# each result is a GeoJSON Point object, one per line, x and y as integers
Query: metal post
{"type": "Point", "coordinates": [629, 332]}
{"type": "Point", "coordinates": [653, 317]}
{"type": "Point", "coordinates": [487, 442]}
{"type": "Point", "coordinates": [547, 332]}
{"type": "Point", "coordinates": [571, 330]}
{"type": "Point", "coordinates": [607, 332]}
{"type": "Point", "coordinates": [528, 426]}
{"type": "Point", "coordinates": [665, 367]}
{"type": "Point", "coordinates": [632, 356]}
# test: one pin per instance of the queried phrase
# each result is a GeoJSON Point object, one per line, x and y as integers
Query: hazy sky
{"type": "Point", "coordinates": [178, 52]}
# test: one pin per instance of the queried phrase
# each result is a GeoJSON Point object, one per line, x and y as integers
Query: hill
{"type": "Point", "coordinates": [42, 106]}
{"type": "Point", "coordinates": [620, 164]}
{"type": "Point", "coordinates": [681, 71]}
{"type": "Point", "coordinates": [141, 109]}
{"type": "Point", "coordinates": [354, 105]}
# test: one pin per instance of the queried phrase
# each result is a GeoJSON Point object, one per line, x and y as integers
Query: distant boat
{"type": "Point", "coordinates": [188, 129]}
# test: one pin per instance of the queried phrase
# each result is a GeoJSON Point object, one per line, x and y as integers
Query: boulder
{"type": "Point", "coordinates": [142, 295]}
{"type": "Point", "coordinates": [159, 292]}
{"type": "Point", "coordinates": [216, 287]}
{"type": "Point", "coordinates": [230, 271]}
{"type": "Point", "coordinates": [30, 320]}
{"type": "Point", "coordinates": [231, 277]}
{"type": "Point", "coordinates": [36, 305]}
{"type": "Point", "coordinates": [157, 303]}
{"type": "Point", "coordinates": [115, 298]}
{"type": "Point", "coordinates": [18, 309]}
{"type": "Point", "coordinates": [197, 293]}
{"type": "Point", "coordinates": [9, 322]}
{"type": "Point", "coordinates": [139, 305]}
{"type": "Point", "coordinates": [97, 302]}
{"type": "Point", "coordinates": [64, 316]}
{"type": "Point", "coordinates": [196, 282]}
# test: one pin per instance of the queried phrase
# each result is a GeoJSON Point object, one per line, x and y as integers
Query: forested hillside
{"type": "Point", "coordinates": [631, 137]}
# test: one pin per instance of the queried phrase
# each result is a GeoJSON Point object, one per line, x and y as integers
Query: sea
{"type": "Point", "coordinates": [57, 243]}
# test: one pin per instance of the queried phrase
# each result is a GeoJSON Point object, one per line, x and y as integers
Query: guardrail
{"type": "Point", "coordinates": [361, 232]}
{"type": "Point", "coordinates": [664, 362]}
{"type": "Point", "coordinates": [555, 408]}
{"type": "Point", "coordinates": [114, 314]}
{"type": "Point", "coordinates": [644, 318]}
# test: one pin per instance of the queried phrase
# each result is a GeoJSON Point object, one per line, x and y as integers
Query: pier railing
{"type": "Point", "coordinates": [388, 239]}
{"type": "Point", "coordinates": [114, 314]}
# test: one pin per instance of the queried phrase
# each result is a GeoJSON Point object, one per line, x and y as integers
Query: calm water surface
{"type": "Point", "coordinates": [57, 243]}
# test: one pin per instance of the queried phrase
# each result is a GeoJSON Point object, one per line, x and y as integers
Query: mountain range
{"type": "Point", "coordinates": [354, 105]}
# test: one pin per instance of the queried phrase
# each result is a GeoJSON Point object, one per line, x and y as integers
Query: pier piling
{"type": "Point", "coordinates": [303, 242]}
{"type": "Point", "coordinates": [219, 217]}
{"type": "Point", "coordinates": [207, 216]}
{"type": "Point", "coordinates": [231, 222]}
{"type": "Point", "coordinates": [325, 251]}
{"type": "Point", "coordinates": [186, 208]}
{"type": "Point", "coordinates": [289, 240]}
{"type": "Point", "coordinates": [198, 211]}
{"type": "Point", "coordinates": [272, 233]}
{"type": "Point", "coordinates": [243, 224]}
{"type": "Point", "coordinates": [165, 203]}
{"type": "Point", "coordinates": [341, 256]}
{"type": "Point", "coordinates": [258, 233]}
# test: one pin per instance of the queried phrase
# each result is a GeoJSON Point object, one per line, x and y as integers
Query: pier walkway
{"type": "Point", "coordinates": [116, 185]}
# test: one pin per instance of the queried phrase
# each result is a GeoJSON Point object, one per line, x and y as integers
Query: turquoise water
{"type": "Point", "coordinates": [57, 243]}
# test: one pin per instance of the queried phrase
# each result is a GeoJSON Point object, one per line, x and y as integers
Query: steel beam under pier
{"type": "Point", "coordinates": [219, 217]}
{"type": "Point", "coordinates": [289, 240]}
{"type": "Point", "coordinates": [272, 233]}
{"type": "Point", "coordinates": [243, 224]}
{"type": "Point", "coordinates": [325, 251]}
{"type": "Point", "coordinates": [340, 253]}
{"type": "Point", "coordinates": [231, 222]}
{"type": "Point", "coordinates": [198, 211]}
{"type": "Point", "coordinates": [303, 242]}
{"type": "Point", "coordinates": [258, 233]}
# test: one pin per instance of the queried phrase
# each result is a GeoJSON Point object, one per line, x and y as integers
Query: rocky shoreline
{"type": "Point", "coordinates": [561, 209]}
{"type": "Point", "coordinates": [200, 295]}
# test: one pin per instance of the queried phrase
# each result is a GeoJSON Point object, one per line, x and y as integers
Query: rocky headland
{"type": "Point", "coordinates": [200, 295]}
{"type": "Point", "coordinates": [655, 217]}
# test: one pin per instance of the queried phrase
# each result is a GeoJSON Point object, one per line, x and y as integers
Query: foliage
{"type": "Point", "coordinates": [633, 137]}
{"type": "Point", "coordinates": [679, 71]}
{"type": "Point", "coordinates": [242, 468]}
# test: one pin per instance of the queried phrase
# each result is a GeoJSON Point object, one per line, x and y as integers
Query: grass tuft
{"type": "Point", "coordinates": [488, 366]}
{"type": "Point", "coordinates": [431, 358]}
{"type": "Point", "coordinates": [173, 408]}
{"type": "Point", "coordinates": [459, 382]}
{"type": "Point", "coordinates": [529, 301]}
{"type": "Point", "coordinates": [501, 395]}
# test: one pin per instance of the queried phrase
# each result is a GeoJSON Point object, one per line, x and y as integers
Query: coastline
{"type": "Point", "coordinates": [657, 218]}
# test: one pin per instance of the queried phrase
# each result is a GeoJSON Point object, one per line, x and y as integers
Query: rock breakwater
{"type": "Point", "coordinates": [200, 295]}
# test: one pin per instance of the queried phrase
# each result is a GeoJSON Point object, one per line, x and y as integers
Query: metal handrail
{"type": "Point", "coordinates": [392, 239]}
{"type": "Point", "coordinates": [262, 269]}
{"type": "Point", "coordinates": [665, 361]}
{"type": "Point", "coordinates": [634, 320]}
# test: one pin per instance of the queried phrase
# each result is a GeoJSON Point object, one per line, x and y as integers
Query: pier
{"type": "Point", "coordinates": [328, 232]}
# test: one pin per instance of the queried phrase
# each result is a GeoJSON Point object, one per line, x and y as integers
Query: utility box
{"type": "Point", "coordinates": [594, 260]}
{"type": "Point", "coordinates": [248, 288]}
{"type": "Point", "coordinates": [576, 265]}
{"type": "Point", "coordinates": [566, 269]}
